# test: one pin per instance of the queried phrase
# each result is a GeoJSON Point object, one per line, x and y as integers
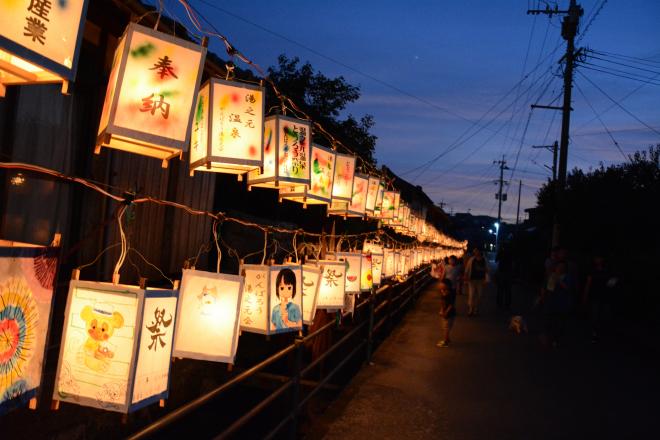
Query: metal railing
{"type": "Point", "coordinates": [383, 306]}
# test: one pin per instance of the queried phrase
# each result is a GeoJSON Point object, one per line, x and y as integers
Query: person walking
{"type": "Point", "coordinates": [447, 311]}
{"type": "Point", "coordinates": [476, 276]}
{"type": "Point", "coordinates": [453, 272]}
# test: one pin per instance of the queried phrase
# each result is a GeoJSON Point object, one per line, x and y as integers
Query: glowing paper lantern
{"type": "Point", "coordinates": [209, 305]}
{"type": "Point", "coordinates": [151, 94]}
{"type": "Point", "coordinates": [310, 288]}
{"type": "Point", "coordinates": [272, 298]}
{"type": "Point", "coordinates": [356, 207]}
{"type": "Point", "coordinates": [319, 190]}
{"type": "Point", "coordinates": [286, 150]}
{"type": "Point", "coordinates": [27, 275]}
{"type": "Point", "coordinates": [227, 128]}
{"type": "Point", "coordinates": [379, 200]}
{"type": "Point", "coordinates": [387, 209]}
{"type": "Point", "coordinates": [377, 267]}
{"type": "Point", "coordinates": [116, 346]}
{"type": "Point", "coordinates": [342, 189]}
{"type": "Point", "coordinates": [332, 285]}
{"type": "Point", "coordinates": [366, 273]}
{"type": "Point", "coordinates": [40, 41]}
{"type": "Point", "coordinates": [353, 269]}
{"type": "Point", "coordinates": [372, 195]}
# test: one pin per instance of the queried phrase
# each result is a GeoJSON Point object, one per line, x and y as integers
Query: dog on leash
{"type": "Point", "coordinates": [518, 325]}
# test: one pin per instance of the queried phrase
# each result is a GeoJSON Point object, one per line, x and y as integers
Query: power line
{"type": "Point", "coordinates": [621, 76]}
{"type": "Point", "coordinates": [624, 64]}
{"type": "Point", "coordinates": [643, 61]}
{"type": "Point", "coordinates": [591, 20]}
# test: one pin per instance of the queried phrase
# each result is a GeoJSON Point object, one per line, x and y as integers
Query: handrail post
{"type": "Point", "coordinates": [370, 331]}
{"type": "Point", "coordinates": [298, 365]}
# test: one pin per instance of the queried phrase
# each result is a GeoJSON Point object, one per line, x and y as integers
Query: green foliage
{"type": "Point", "coordinates": [324, 100]}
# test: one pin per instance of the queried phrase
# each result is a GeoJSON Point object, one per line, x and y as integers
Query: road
{"type": "Point", "coordinates": [493, 384]}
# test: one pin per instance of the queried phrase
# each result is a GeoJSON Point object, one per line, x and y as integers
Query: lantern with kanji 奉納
{"type": "Point", "coordinates": [116, 346]}
{"type": "Point", "coordinates": [151, 94]}
{"type": "Point", "coordinates": [272, 298]}
{"type": "Point", "coordinates": [319, 189]}
{"type": "Point", "coordinates": [356, 207]}
{"type": "Point", "coordinates": [286, 149]}
{"type": "Point", "coordinates": [27, 276]}
{"type": "Point", "coordinates": [311, 274]}
{"type": "Point", "coordinates": [40, 41]}
{"type": "Point", "coordinates": [209, 305]}
{"type": "Point", "coordinates": [227, 128]}
{"type": "Point", "coordinates": [332, 284]}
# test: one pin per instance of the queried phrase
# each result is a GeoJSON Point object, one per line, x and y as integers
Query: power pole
{"type": "Point", "coordinates": [499, 196]}
{"type": "Point", "coordinates": [518, 210]}
{"type": "Point", "coordinates": [554, 149]}
{"type": "Point", "coordinates": [569, 29]}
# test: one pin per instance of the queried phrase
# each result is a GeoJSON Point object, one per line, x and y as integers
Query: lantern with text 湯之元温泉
{"type": "Point", "coordinates": [209, 305]}
{"type": "Point", "coordinates": [311, 274]}
{"type": "Point", "coordinates": [116, 346]}
{"type": "Point", "coordinates": [40, 41]}
{"type": "Point", "coordinates": [27, 276]}
{"type": "Point", "coordinates": [151, 93]}
{"type": "Point", "coordinates": [366, 273]}
{"type": "Point", "coordinates": [372, 196]}
{"type": "Point", "coordinates": [332, 284]}
{"type": "Point", "coordinates": [319, 189]}
{"type": "Point", "coordinates": [272, 298]}
{"type": "Point", "coordinates": [227, 128]}
{"type": "Point", "coordinates": [356, 207]}
{"type": "Point", "coordinates": [286, 149]}
{"type": "Point", "coordinates": [353, 269]}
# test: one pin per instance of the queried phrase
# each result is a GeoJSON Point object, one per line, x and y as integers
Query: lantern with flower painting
{"type": "Point", "coordinates": [151, 94]}
{"type": "Point", "coordinates": [319, 190]}
{"type": "Point", "coordinates": [209, 305]}
{"type": "Point", "coordinates": [366, 273]}
{"type": "Point", "coordinates": [27, 275]}
{"type": "Point", "coordinates": [272, 298]}
{"type": "Point", "coordinates": [332, 284]}
{"type": "Point", "coordinates": [286, 149]}
{"type": "Point", "coordinates": [227, 128]}
{"type": "Point", "coordinates": [356, 207]}
{"type": "Point", "coordinates": [377, 260]}
{"type": "Point", "coordinates": [116, 346]}
{"type": "Point", "coordinates": [40, 41]}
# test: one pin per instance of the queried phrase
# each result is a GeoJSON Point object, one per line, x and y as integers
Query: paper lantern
{"type": "Point", "coordinates": [377, 267]}
{"type": "Point", "coordinates": [319, 190]}
{"type": "Point", "coordinates": [40, 41]}
{"type": "Point", "coordinates": [353, 269]}
{"type": "Point", "coordinates": [342, 187]}
{"type": "Point", "coordinates": [387, 209]}
{"type": "Point", "coordinates": [116, 346]}
{"type": "Point", "coordinates": [310, 288]}
{"type": "Point", "coordinates": [27, 276]}
{"type": "Point", "coordinates": [366, 273]}
{"type": "Point", "coordinates": [227, 128]}
{"type": "Point", "coordinates": [272, 298]}
{"type": "Point", "coordinates": [388, 263]}
{"type": "Point", "coordinates": [209, 305]}
{"type": "Point", "coordinates": [332, 284]}
{"type": "Point", "coordinates": [356, 207]}
{"type": "Point", "coordinates": [151, 94]}
{"type": "Point", "coordinates": [286, 149]}
{"type": "Point", "coordinates": [349, 304]}
{"type": "Point", "coordinates": [379, 200]}
{"type": "Point", "coordinates": [372, 195]}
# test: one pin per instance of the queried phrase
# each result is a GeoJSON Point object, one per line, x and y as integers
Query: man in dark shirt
{"type": "Point", "coordinates": [447, 311]}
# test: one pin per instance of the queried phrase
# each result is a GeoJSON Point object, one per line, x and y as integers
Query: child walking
{"type": "Point", "coordinates": [447, 311]}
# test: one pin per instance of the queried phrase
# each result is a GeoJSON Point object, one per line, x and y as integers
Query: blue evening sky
{"type": "Point", "coordinates": [455, 60]}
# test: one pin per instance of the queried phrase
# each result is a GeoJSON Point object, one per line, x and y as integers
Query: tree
{"type": "Point", "coordinates": [324, 100]}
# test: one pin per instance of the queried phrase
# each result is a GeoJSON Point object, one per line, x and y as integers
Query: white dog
{"type": "Point", "coordinates": [518, 325]}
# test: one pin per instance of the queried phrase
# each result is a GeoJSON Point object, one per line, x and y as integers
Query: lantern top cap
{"type": "Point", "coordinates": [290, 119]}
{"type": "Point", "coordinates": [347, 155]}
{"type": "Point", "coordinates": [362, 176]}
{"type": "Point", "coordinates": [234, 83]}
{"type": "Point", "coordinates": [134, 27]}
{"type": "Point", "coordinates": [321, 147]}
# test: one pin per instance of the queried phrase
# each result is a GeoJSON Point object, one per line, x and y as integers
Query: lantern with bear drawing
{"type": "Point", "coordinates": [151, 94]}
{"type": "Point", "coordinates": [40, 41]}
{"type": "Point", "coordinates": [319, 190]}
{"type": "Point", "coordinates": [286, 148]}
{"type": "Point", "coordinates": [332, 284]}
{"type": "Point", "coordinates": [27, 275]}
{"type": "Point", "coordinates": [116, 346]}
{"type": "Point", "coordinates": [272, 298]}
{"type": "Point", "coordinates": [209, 305]}
{"type": "Point", "coordinates": [227, 128]}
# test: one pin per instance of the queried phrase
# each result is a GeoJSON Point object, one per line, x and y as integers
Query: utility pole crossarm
{"type": "Point", "coordinates": [548, 107]}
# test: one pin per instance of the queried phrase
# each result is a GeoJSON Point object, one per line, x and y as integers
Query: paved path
{"type": "Point", "coordinates": [492, 384]}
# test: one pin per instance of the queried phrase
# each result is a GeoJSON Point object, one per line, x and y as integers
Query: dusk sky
{"type": "Point", "coordinates": [429, 70]}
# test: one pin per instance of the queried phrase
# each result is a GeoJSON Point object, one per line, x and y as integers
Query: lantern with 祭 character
{"type": "Point", "coordinates": [40, 41]}
{"type": "Point", "coordinates": [116, 346]}
{"type": "Point", "coordinates": [319, 190]}
{"type": "Point", "coordinates": [332, 284]}
{"type": "Point", "coordinates": [227, 128]}
{"type": "Point", "coordinates": [286, 149]}
{"type": "Point", "coordinates": [209, 305]}
{"type": "Point", "coordinates": [151, 94]}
